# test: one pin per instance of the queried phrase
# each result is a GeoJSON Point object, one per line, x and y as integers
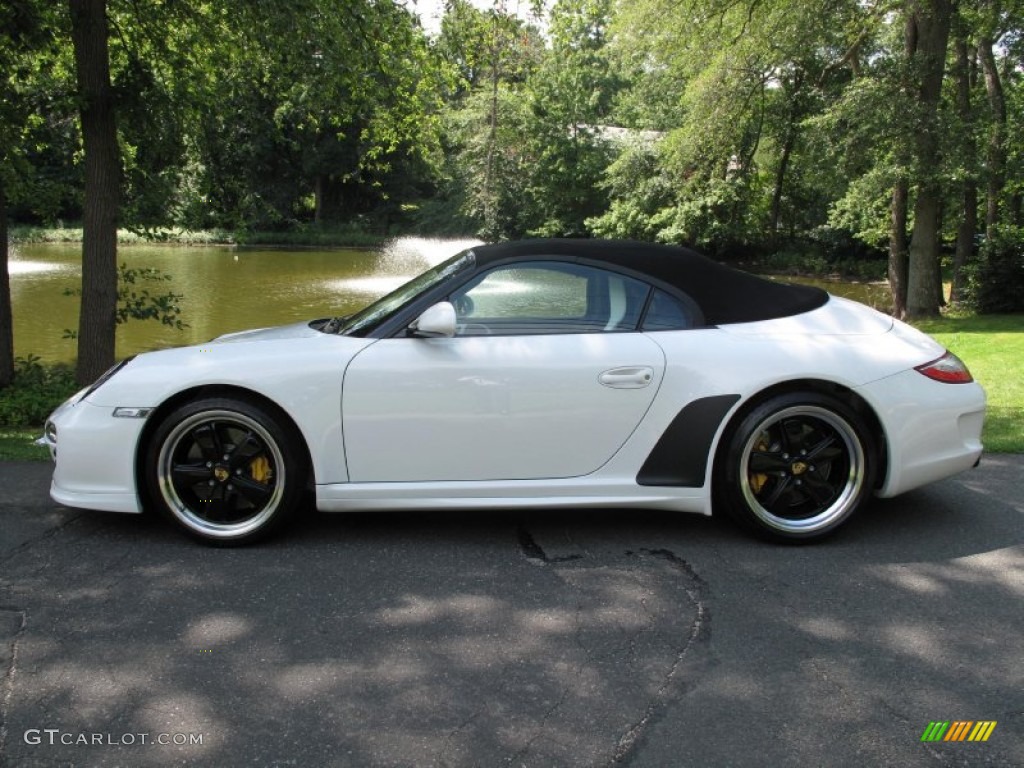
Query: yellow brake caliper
{"type": "Point", "coordinates": [260, 470]}
{"type": "Point", "coordinates": [758, 479]}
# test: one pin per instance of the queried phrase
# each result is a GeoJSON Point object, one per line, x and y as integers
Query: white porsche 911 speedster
{"type": "Point", "coordinates": [544, 373]}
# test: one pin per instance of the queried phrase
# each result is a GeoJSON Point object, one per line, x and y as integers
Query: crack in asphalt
{"type": "Point", "coordinates": [539, 728]}
{"type": "Point", "coordinates": [700, 631]}
{"type": "Point", "coordinates": [47, 534]}
{"type": "Point", "coordinates": [8, 681]}
{"type": "Point", "coordinates": [533, 551]}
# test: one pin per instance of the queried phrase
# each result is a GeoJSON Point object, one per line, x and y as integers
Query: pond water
{"type": "Point", "coordinates": [234, 288]}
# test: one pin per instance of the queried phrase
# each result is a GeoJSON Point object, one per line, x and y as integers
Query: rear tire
{"type": "Point", "coordinates": [796, 467]}
{"type": "Point", "coordinates": [226, 471]}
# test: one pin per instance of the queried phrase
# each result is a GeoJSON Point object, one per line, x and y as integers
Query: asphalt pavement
{"type": "Point", "coordinates": [596, 638]}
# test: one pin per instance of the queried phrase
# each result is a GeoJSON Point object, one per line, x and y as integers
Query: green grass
{"type": "Point", "coordinates": [993, 348]}
{"type": "Point", "coordinates": [16, 444]}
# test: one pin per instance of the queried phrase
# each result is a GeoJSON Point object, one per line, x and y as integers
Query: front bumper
{"type": "Point", "coordinates": [94, 454]}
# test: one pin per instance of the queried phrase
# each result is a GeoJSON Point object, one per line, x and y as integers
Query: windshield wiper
{"type": "Point", "coordinates": [330, 325]}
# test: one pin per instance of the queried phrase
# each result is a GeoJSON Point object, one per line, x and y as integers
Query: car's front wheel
{"type": "Point", "coordinates": [226, 471]}
{"type": "Point", "coordinates": [796, 467]}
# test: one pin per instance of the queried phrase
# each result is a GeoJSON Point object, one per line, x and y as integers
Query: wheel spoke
{"type": "Point", "coordinates": [766, 461]}
{"type": "Point", "coordinates": [255, 493]}
{"type": "Point", "coordinates": [247, 449]}
{"type": "Point", "coordinates": [230, 499]}
{"type": "Point", "coordinates": [781, 487]}
{"type": "Point", "coordinates": [206, 437]}
{"type": "Point", "coordinates": [825, 449]}
{"type": "Point", "coordinates": [190, 474]}
{"type": "Point", "coordinates": [819, 489]}
{"type": "Point", "coordinates": [784, 426]}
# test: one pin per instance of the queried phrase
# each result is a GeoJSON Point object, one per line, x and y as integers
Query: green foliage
{"type": "Point", "coordinates": [818, 257]}
{"type": "Point", "coordinates": [640, 193]}
{"type": "Point", "coordinates": [36, 390]}
{"type": "Point", "coordinates": [36, 139]}
{"type": "Point", "coordinates": [996, 283]}
{"type": "Point", "coordinates": [493, 164]}
{"type": "Point", "coordinates": [491, 159]}
{"type": "Point", "coordinates": [864, 208]}
{"type": "Point", "coordinates": [755, 125]}
{"type": "Point", "coordinates": [138, 303]}
{"type": "Point", "coordinates": [570, 94]}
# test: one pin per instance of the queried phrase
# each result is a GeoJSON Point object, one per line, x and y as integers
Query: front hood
{"type": "Point", "coordinates": [293, 359]}
{"type": "Point", "coordinates": [294, 331]}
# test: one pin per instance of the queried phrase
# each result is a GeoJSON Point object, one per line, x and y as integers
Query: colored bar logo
{"type": "Point", "coordinates": [958, 730]}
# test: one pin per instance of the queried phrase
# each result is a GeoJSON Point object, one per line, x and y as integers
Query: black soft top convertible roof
{"type": "Point", "coordinates": [724, 294]}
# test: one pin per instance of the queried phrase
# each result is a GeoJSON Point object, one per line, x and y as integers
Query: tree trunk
{"type": "Point", "coordinates": [792, 126]}
{"type": "Point", "coordinates": [97, 319]}
{"type": "Point", "coordinates": [490, 203]}
{"type": "Point", "coordinates": [967, 229]}
{"type": "Point", "coordinates": [898, 260]}
{"type": "Point", "coordinates": [997, 134]}
{"type": "Point", "coordinates": [780, 179]}
{"type": "Point", "coordinates": [318, 197]}
{"type": "Point", "coordinates": [933, 18]}
{"type": "Point", "coordinates": [6, 321]}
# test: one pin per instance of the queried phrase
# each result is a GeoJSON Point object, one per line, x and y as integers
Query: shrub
{"type": "Point", "coordinates": [36, 390]}
{"type": "Point", "coordinates": [996, 284]}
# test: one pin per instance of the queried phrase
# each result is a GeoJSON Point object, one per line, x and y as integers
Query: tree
{"type": "Point", "coordinates": [491, 54]}
{"type": "Point", "coordinates": [967, 228]}
{"type": "Point", "coordinates": [26, 34]}
{"type": "Point", "coordinates": [89, 32]}
{"type": "Point", "coordinates": [749, 76]}
{"type": "Point", "coordinates": [931, 20]}
{"type": "Point", "coordinates": [570, 95]}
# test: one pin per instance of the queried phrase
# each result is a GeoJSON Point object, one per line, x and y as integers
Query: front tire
{"type": "Point", "coordinates": [225, 471]}
{"type": "Point", "coordinates": [796, 467]}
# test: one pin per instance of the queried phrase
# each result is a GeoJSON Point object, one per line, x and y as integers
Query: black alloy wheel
{"type": "Point", "coordinates": [796, 467]}
{"type": "Point", "coordinates": [226, 471]}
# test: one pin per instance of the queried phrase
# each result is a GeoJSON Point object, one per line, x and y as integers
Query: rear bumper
{"type": "Point", "coordinates": [933, 429]}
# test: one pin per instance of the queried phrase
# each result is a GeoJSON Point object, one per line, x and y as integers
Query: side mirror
{"type": "Point", "coordinates": [436, 321]}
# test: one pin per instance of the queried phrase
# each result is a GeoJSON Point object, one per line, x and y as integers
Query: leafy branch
{"type": "Point", "coordinates": [139, 303]}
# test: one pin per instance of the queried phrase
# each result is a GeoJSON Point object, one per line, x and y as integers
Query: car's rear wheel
{"type": "Point", "coordinates": [226, 471]}
{"type": "Point", "coordinates": [796, 467]}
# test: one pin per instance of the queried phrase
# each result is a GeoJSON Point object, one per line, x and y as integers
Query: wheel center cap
{"type": "Point", "coordinates": [798, 468]}
{"type": "Point", "coordinates": [221, 473]}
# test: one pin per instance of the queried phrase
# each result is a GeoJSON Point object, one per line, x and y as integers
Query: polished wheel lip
{"type": "Point", "coordinates": [837, 508]}
{"type": "Point", "coordinates": [189, 517]}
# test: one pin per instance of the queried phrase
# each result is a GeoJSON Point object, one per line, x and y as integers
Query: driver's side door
{"type": "Point", "coordinates": [546, 377]}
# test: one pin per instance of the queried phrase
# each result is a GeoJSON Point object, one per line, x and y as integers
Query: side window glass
{"type": "Point", "coordinates": [666, 313]}
{"type": "Point", "coordinates": [548, 297]}
{"type": "Point", "coordinates": [529, 292]}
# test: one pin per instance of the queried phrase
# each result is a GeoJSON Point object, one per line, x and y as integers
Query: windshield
{"type": "Point", "coordinates": [367, 318]}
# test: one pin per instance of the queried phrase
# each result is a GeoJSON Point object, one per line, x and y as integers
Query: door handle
{"type": "Point", "coordinates": [630, 377]}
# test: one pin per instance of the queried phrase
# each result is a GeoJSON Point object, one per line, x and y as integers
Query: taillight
{"type": "Point", "coordinates": [949, 369]}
